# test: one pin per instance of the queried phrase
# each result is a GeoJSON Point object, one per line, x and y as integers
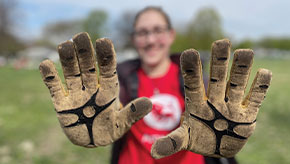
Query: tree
{"type": "Point", "coordinates": [247, 43]}
{"type": "Point", "coordinates": [7, 9]}
{"type": "Point", "coordinates": [205, 28]}
{"type": "Point", "coordinates": [95, 24]}
{"type": "Point", "coordinates": [282, 43]}
{"type": "Point", "coordinates": [9, 44]}
{"type": "Point", "coordinates": [181, 43]}
{"type": "Point", "coordinates": [124, 28]}
{"type": "Point", "coordinates": [60, 31]}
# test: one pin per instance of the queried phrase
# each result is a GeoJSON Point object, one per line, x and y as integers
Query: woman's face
{"type": "Point", "coordinates": [152, 38]}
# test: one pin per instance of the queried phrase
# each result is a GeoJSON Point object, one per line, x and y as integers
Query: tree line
{"type": "Point", "coordinates": [204, 28]}
{"type": "Point", "coordinates": [9, 43]}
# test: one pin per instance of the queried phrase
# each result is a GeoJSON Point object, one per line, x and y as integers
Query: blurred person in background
{"type": "Point", "coordinates": [156, 75]}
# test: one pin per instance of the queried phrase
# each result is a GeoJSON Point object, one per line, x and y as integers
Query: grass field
{"type": "Point", "coordinates": [30, 132]}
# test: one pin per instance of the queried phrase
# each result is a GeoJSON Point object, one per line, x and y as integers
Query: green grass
{"type": "Point", "coordinates": [30, 132]}
{"type": "Point", "coordinates": [29, 129]}
{"type": "Point", "coordinates": [269, 142]}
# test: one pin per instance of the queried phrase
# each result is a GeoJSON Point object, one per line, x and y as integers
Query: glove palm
{"type": "Point", "coordinates": [89, 111]}
{"type": "Point", "coordinates": [218, 123]}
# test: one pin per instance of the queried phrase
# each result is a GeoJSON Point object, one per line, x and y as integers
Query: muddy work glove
{"type": "Point", "coordinates": [89, 110]}
{"type": "Point", "coordinates": [219, 123]}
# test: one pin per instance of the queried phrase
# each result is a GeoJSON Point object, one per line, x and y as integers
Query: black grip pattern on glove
{"type": "Point", "coordinates": [229, 130]}
{"type": "Point", "coordinates": [83, 119]}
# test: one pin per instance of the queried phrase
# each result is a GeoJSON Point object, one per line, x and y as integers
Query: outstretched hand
{"type": "Point", "coordinates": [218, 123]}
{"type": "Point", "coordinates": [89, 110]}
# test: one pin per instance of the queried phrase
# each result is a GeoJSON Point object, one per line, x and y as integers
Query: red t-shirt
{"type": "Point", "coordinates": [168, 105]}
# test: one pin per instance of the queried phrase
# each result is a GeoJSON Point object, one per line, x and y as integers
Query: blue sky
{"type": "Point", "coordinates": [241, 19]}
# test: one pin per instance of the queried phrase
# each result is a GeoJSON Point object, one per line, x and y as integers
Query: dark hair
{"type": "Point", "coordinates": [153, 8]}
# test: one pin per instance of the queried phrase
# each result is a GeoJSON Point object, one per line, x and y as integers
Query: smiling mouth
{"type": "Point", "coordinates": [149, 47]}
{"type": "Point", "coordinates": [152, 47]}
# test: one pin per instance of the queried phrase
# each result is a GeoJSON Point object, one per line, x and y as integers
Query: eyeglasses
{"type": "Point", "coordinates": [156, 31]}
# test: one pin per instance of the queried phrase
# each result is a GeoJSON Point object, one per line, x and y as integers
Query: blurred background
{"type": "Point", "coordinates": [30, 30]}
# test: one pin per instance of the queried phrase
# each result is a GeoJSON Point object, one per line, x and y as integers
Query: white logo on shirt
{"type": "Point", "coordinates": [165, 114]}
{"type": "Point", "coordinates": [147, 138]}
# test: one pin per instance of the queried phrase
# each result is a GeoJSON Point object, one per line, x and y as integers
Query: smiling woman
{"type": "Point", "coordinates": [30, 132]}
{"type": "Point", "coordinates": [154, 75]}
{"type": "Point", "coordinates": [152, 38]}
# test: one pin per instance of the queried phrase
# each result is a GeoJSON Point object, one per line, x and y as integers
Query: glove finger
{"type": "Point", "coordinates": [86, 59]}
{"type": "Point", "coordinates": [70, 66]}
{"type": "Point", "coordinates": [218, 70]}
{"type": "Point", "coordinates": [106, 58]}
{"type": "Point", "coordinates": [192, 75]}
{"type": "Point", "coordinates": [257, 92]}
{"type": "Point", "coordinates": [52, 81]}
{"type": "Point", "coordinates": [134, 111]}
{"type": "Point", "coordinates": [240, 72]}
{"type": "Point", "coordinates": [170, 144]}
